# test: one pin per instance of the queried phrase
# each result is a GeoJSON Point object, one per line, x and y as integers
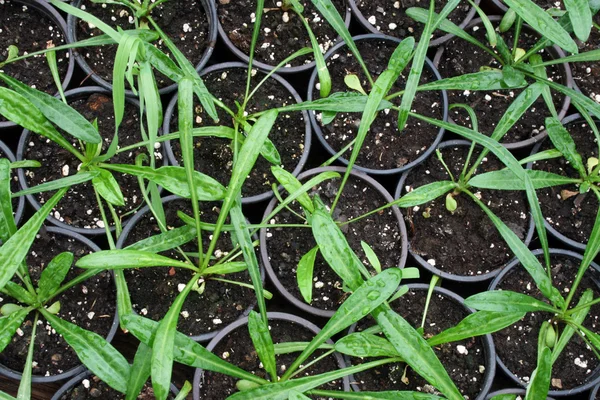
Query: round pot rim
{"type": "Point", "coordinates": [594, 392]}
{"type": "Point", "coordinates": [433, 43]}
{"type": "Point", "coordinates": [211, 15]}
{"type": "Point", "coordinates": [10, 373]}
{"type": "Point", "coordinates": [509, 391]}
{"type": "Point", "coordinates": [21, 201]}
{"type": "Point", "coordinates": [550, 228]}
{"type": "Point", "coordinates": [45, 8]}
{"type": "Point", "coordinates": [203, 337]}
{"type": "Point", "coordinates": [263, 236]}
{"type": "Point", "coordinates": [567, 79]}
{"type": "Point", "coordinates": [371, 171]}
{"type": "Point", "coordinates": [271, 315]}
{"type": "Point", "coordinates": [487, 342]}
{"type": "Point", "coordinates": [267, 195]}
{"type": "Point", "coordinates": [594, 377]}
{"type": "Point", "coordinates": [500, 5]}
{"type": "Point", "coordinates": [244, 58]}
{"type": "Point", "coordinates": [436, 271]}
{"type": "Point", "coordinates": [77, 92]}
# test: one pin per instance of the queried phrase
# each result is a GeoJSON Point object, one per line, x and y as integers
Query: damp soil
{"type": "Point", "coordinates": [586, 73]}
{"type": "Point", "coordinates": [282, 31]}
{"type": "Point", "coordinates": [92, 388]}
{"type": "Point", "coordinates": [14, 184]}
{"type": "Point", "coordinates": [214, 156]}
{"type": "Point", "coordinates": [79, 207]}
{"type": "Point", "coordinates": [466, 242]}
{"type": "Point", "coordinates": [219, 305]}
{"type": "Point", "coordinates": [91, 305]}
{"type": "Point", "coordinates": [384, 147]}
{"type": "Point", "coordinates": [236, 348]}
{"type": "Point", "coordinates": [184, 21]}
{"type": "Point", "coordinates": [460, 57]}
{"type": "Point", "coordinates": [389, 17]}
{"type": "Point", "coordinates": [463, 360]}
{"type": "Point", "coordinates": [517, 345]}
{"type": "Point", "coordinates": [286, 246]}
{"type": "Point", "coordinates": [573, 217]}
{"type": "Point", "coordinates": [30, 30]}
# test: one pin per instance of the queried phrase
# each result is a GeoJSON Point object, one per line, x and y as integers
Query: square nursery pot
{"type": "Point", "coordinates": [18, 204]}
{"type": "Point", "coordinates": [281, 248]}
{"type": "Point", "coordinates": [195, 31]}
{"type": "Point", "coordinates": [452, 60]}
{"type": "Point", "coordinates": [470, 363]}
{"type": "Point", "coordinates": [213, 155]}
{"type": "Point", "coordinates": [389, 18]}
{"type": "Point", "coordinates": [37, 24]}
{"type": "Point", "coordinates": [577, 369]}
{"type": "Point", "coordinates": [233, 344]}
{"type": "Point", "coordinates": [282, 33]}
{"type": "Point", "coordinates": [78, 210]}
{"type": "Point", "coordinates": [91, 305]}
{"type": "Point", "coordinates": [385, 150]}
{"type": "Point", "coordinates": [463, 246]}
{"type": "Point", "coordinates": [203, 315]}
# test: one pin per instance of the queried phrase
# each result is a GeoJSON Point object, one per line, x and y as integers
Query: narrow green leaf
{"type": "Point", "coordinates": [507, 301]}
{"type": "Point", "coordinates": [121, 259]}
{"type": "Point", "coordinates": [69, 9]}
{"type": "Point", "coordinates": [9, 326]}
{"type": "Point", "coordinates": [294, 395]}
{"type": "Point", "coordinates": [128, 45]}
{"type": "Point", "coordinates": [54, 274]}
{"type": "Point", "coordinates": [226, 268]}
{"type": "Point", "coordinates": [581, 18]}
{"type": "Point", "coordinates": [140, 371]}
{"type": "Point", "coordinates": [7, 221]}
{"type": "Point", "coordinates": [539, 383]}
{"type": "Point", "coordinates": [371, 256]}
{"type": "Point", "coordinates": [24, 392]}
{"type": "Point", "coordinates": [162, 63]}
{"type": "Point", "coordinates": [338, 102]}
{"type": "Point", "coordinates": [489, 28]}
{"type": "Point", "coordinates": [505, 179]}
{"type": "Point", "coordinates": [424, 194]}
{"type": "Point", "coordinates": [185, 390]}
{"type": "Point", "coordinates": [385, 395]}
{"type": "Point", "coordinates": [108, 187]}
{"type": "Point", "coordinates": [165, 241]}
{"type": "Point", "coordinates": [592, 55]}
{"type": "Point", "coordinates": [365, 345]}
{"type": "Point", "coordinates": [80, 177]}
{"type": "Point", "coordinates": [484, 80]}
{"type": "Point", "coordinates": [562, 140]}
{"type": "Point", "coordinates": [292, 184]}
{"type": "Point", "coordinates": [578, 318]}
{"type": "Point", "coordinates": [263, 343]}
{"type": "Point", "coordinates": [304, 273]}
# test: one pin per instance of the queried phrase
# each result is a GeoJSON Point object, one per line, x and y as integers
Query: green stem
{"type": "Point", "coordinates": [583, 306]}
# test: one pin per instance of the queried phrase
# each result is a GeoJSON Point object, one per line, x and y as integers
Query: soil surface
{"type": "Point", "coordinates": [282, 31]}
{"type": "Point", "coordinates": [389, 17]}
{"type": "Point", "coordinates": [30, 30]}
{"type": "Point", "coordinates": [461, 57]}
{"type": "Point", "coordinates": [91, 305]}
{"type": "Point", "coordinates": [79, 207]}
{"type": "Point", "coordinates": [384, 147]}
{"type": "Point", "coordinates": [219, 305]}
{"type": "Point", "coordinates": [465, 242]}
{"type": "Point", "coordinates": [184, 21]}
{"type": "Point", "coordinates": [586, 73]}
{"type": "Point", "coordinates": [517, 345]}
{"type": "Point", "coordinates": [464, 360]}
{"type": "Point", "coordinates": [286, 246]}
{"type": "Point", "coordinates": [214, 156]}
{"type": "Point", "coordinates": [92, 388]}
{"type": "Point", "coordinates": [236, 349]}
{"type": "Point", "coordinates": [573, 217]}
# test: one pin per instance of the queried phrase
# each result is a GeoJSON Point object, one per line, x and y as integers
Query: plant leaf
{"type": "Point", "coordinates": [121, 259]}
{"type": "Point", "coordinates": [371, 256]}
{"type": "Point", "coordinates": [140, 371]}
{"type": "Point", "coordinates": [108, 187]}
{"type": "Point", "coordinates": [578, 318]}
{"type": "Point", "coordinates": [304, 273]}
{"type": "Point", "coordinates": [80, 177]}
{"type": "Point", "coordinates": [539, 383]}
{"type": "Point", "coordinates": [507, 301]}
{"type": "Point", "coordinates": [53, 275]}
{"type": "Point", "coordinates": [505, 179]}
{"type": "Point", "coordinates": [424, 194]}
{"type": "Point", "coordinates": [7, 221]}
{"type": "Point", "coordinates": [165, 241]}
{"type": "Point", "coordinates": [263, 343]}
{"type": "Point", "coordinates": [338, 102]}
{"type": "Point", "coordinates": [9, 325]}
{"type": "Point", "coordinates": [581, 18]}
{"type": "Point", "coordinates": [291, 184]}
{"type": "Point", "coordinates": [484, 80]}
{"type": "Point", "coordinates": [365, 345]}
{"type": "Point", "coordinates": [562, 140]}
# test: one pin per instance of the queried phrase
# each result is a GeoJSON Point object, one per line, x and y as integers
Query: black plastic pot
{"type": "Point", "coordinates": [44, 7]}
{"type": "Point", "coordinates": [272, 316]}
{"type": "Point", "coordinates": [266, 67]}
{"type": "Point", "coordinates": [519, 392]}
{"type": "Point", "coordinates": [79, 378]}
{"type": "Point", "coordinates": [595, 375]}
{"type": "Point", "coordinates": [204, 337]}
{"type": "Point", "coordinates": [371, 171]}
{"type": "Point", "coordinates": [16, 375]}
{"type": "Point", "coordinates": [211, 15]}
{"type": "Point", "coordinates": [555, 52]}
{"type": "Point", "coordinates": [18, 213]}
{"type": "Point", "coordinates": [171, 108]}
{"type": "Point", "coordinates": [434, 43]}
{"type": "Point", "coordinates": [549, 227]}
{"type": "Point", "coordinates": [594, 393]}
{"type": "Point", "coordinates": [498, 5]}
{"type": "Point", "coordinates": [488, 344]}
{"type": "Point", "coordinates": [263, 236]}
{"type": "Point", "coordinates": [423, 263]}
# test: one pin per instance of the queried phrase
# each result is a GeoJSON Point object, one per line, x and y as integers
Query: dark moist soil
{"type": "Point", "coordinates": [517, 345]}
{"type": "Point", "coordinates": [286, 246]}
{"type": "Point", "coordinates": [460, 58]}
{"type": "Point", "coordinates": [384, 146]}
{"type": "Point", "coordinates": [14, 184]}
{"type": "Point", "coordinates": [465, 243]}
{"type": "Point", "coordinates": [389, 17]}
{"type": "Point", "coordinates": [91, 305]}
{"type": "Point", "coordinates": [573, 217]}
{"type": "Point", "coordinates": [30, 30]}
{"type": "Point", "coordinates": [92, 388]}
{"type": "Point", "coordinates": [214, 156]}
{"type": "Point", "coordinates": [282, 32]}
{"type": "Point", "coordinates": [79, 207]}
{"type": "Point", "coordinates": [464, 360]}
{"type": "Point", "coordinates": [184, 21]}
{"type": "Point", "coordinates": [237, 346]}
{"type": "Point", "coordinates": [219, 305]}
{"type": "Point", "coordinates": [586, 73]}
